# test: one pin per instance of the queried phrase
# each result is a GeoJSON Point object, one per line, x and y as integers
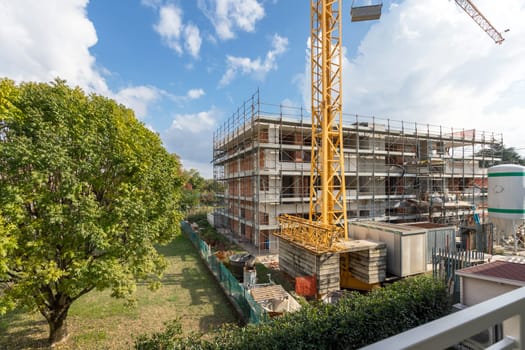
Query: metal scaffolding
{"type": "Point", "coordinates": [395, 171]}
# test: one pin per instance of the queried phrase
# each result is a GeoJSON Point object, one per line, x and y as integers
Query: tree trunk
{"type": "Point", "coordinates": [57, 325]}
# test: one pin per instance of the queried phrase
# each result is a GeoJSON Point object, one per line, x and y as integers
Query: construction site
{"type": "Point", "coordinates": [347, 200]}
{"type": "Point", "coordinates": [394, 171]}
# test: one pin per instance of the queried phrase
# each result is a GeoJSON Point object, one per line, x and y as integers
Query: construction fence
{"type": "Point", "coordinates": [445, 263]}
{"type": "Point", "coordinates": [251, 311]}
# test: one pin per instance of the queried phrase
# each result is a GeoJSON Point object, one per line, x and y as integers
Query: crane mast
{"type": "Point", "coordinates": [327, 181]}
{"type": "Point", "coordinates": [478, 17]}
{"type": "Point", "coordinates": [326, 223]}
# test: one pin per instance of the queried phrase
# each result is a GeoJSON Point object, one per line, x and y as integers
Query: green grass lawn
{"type": "Point", "coordinates": [97, 321]}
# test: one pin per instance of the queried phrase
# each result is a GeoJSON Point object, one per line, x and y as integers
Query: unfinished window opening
{"type": "Point", "coordinates": [364, 184]}
{"type": "Point", "coordinates": [287, 186]}
{"type": "Point", "coordinates": [264, 218]}
{"type": "Point", "coordinates": [364, 142]}
{"type": "Point", "coordinates": [307, 141]}
{"type": "Point", "coordinates": [287, 156]}
{"type": "Point", "coordinates": [350, 141]}
{"type": "Point", "coordinates": [364, 213]}
{"type": "Point", "coordinates": [306, 156]}
{"type": "Point", "coordinates": [264, 183]}
{"type": "Point", "coordinates": [295, 186]}
{"type": "Point", "coordinates": [287, 138]}
{"type": "Point", "coordinates": [351, 182]}
{"type": "Point", "coordinates": [394, 185]}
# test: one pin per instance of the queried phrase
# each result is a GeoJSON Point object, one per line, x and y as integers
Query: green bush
{"type": "Point", "coordinates": [355, 321]}
{"type": "Point", "coordinates": [199, 218]}
{"type": "Point", "coordinates": [171, 339]}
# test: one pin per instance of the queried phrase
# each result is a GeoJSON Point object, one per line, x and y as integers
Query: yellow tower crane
{"type": "Point", "coordinates": [327, 221]}
{"type": "Point", "coordinates": [327, 182]}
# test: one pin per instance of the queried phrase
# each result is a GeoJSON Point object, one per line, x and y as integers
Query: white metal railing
{"type": "Point", "coordinates": [454, 328]}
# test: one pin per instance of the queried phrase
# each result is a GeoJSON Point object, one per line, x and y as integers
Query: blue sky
{"type": "Point", "coordinates": [185, 66]}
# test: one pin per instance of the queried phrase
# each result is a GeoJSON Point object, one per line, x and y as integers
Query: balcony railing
{"type": "Point", "coordinates": [454, 328]}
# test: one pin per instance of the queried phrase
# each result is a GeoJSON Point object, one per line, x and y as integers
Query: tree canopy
{"type": "Point", "coordinates": [499, 151]}
{"type": "Point", "coordinates": [87, 191]}
{"type": "Point", "coordinates": [199, 191]}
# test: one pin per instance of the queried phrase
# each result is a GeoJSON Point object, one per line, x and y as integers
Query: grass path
{"type": "Point", "coordinates": [97, 321]}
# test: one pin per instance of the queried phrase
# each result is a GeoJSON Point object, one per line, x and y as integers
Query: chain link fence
{"type": "Point", "coordinates": [235, 291]}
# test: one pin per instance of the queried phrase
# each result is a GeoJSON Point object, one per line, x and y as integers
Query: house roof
{"type": "Point", "coordinates": [499, 271]}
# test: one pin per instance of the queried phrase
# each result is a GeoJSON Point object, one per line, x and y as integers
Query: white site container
{"type": "Point", "coordinates": [439, 237]}
{"type": "Point", "coordinates": [405, 245]}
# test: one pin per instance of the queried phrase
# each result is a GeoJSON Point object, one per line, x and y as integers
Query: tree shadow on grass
{"type": "Point", "coordinates": [20, 333]}
{"type": "Point", "coordinates": [199, 282]}
{"type": "Point", "coordinates": [180, 247]}
{"type": "Point", "coordinates": [223, 313]}
{"type": "Point", "coordinates": [204, 289]}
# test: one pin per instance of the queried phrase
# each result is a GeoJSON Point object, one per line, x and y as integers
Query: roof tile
{"type": "Point", "coordinates": [499, 269]}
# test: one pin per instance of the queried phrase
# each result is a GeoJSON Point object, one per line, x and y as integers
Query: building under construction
{"type": "Point", "coordinates": [395, 171]}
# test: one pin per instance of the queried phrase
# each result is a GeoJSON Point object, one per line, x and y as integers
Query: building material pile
{"type": "Point", "coordinates": [369, 266]}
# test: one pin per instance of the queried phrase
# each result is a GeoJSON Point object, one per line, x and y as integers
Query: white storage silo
{"type": "Point", "coordinates": [506, 198]}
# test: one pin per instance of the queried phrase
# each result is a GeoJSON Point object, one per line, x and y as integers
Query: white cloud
{"type": "Point", "coordinates": [139, 98]}
{"type": "Point", "coordinates": [427, 61]}
{"type": "Point", "coordinates": [229, 15]}
{"type": "Point", "coordinates": [191, 94]}
{"type": "Point", "coordinates": [303, 80]}
{"type": "Point", "coordinates": [289, 107]}
{"type": "Point", "coordinates": [194, 94]}
{"type": "Point", "coordinates": [170, 26]}
{"type": "Point", "coordinates": [192, 39]}
{"type": "Point", "coordinates": [177, 35]}
{"type": "Point", "coordinates": [288, 103]}
{"type": "Point", "coordinates": [257, 68]}
{"type": "Point", "coordinates": [190, 136]}
{"type": "Point", "coordinates": [40, 40]}
{"type": "Point", "coordinates": [151, 3]}
{"type": "Point", "coordinates": [194, 123]}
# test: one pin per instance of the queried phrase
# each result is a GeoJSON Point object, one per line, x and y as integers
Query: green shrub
{"type": "Point", "coordinates": [355, 321]}
{"type": "Point", "coordinates": [171, 339]}
{"type": "Point", "coordinates": [199, 218]}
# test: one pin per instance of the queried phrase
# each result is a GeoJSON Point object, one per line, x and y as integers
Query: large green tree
{"type": "Point", "coordinates": [86, 192]}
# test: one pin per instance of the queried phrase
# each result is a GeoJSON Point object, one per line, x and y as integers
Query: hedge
{"type": "Point", "coordinates": [355, 321]}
